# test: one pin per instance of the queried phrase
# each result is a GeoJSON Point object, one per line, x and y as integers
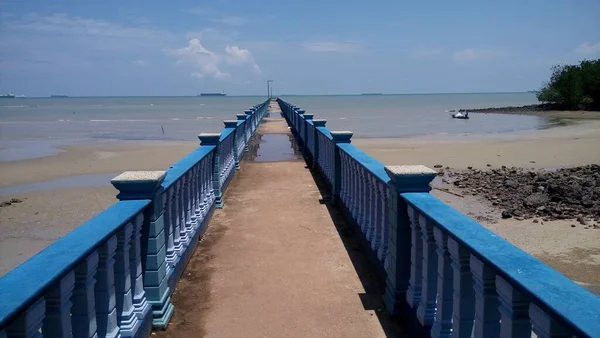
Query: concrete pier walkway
{"type": "Point", "coordinates": [273, 263]}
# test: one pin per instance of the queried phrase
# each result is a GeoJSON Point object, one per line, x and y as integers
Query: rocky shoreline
{"type": "Point", "coordinates": [544, 109]}
{"type": "Point", "coordinates": [512, 109]}
{"type": "Point", "coordinates": [541, 195]}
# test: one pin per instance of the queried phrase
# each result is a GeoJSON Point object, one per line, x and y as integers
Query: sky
{"type": "Point", "coordinates": [151, 47]}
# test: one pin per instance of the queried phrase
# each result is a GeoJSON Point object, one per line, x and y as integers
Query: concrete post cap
{"type": "Point", "coordinates": [341, 136]}
{"type": "Point", "coordinates": [319, 122]}
{"type": "Point", "coordinates": [138, 184]}
{"type": "Point", "coordinates": [308, 116]}
{"type": "Point", "coordinates": [301, 111]}
{"type": "Point", "coordinates": [230, 123]}
{"type": "Point", "coordinates": [248, 112]}
{"type": "Point", "coordinates": [241, 116]}
{"type": "Point", "coordinates": [209, 139]}
{"type": "Point", "coordinates": [411, 178]}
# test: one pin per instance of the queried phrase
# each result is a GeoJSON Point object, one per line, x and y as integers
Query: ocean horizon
{"type": "Point", "coordinates": [275, 96]}
{"type": "Point", "coordinates": [59, 121]}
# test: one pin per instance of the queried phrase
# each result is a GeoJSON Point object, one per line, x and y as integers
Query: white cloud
{"type": "Point", "coordinates": [213, 35]}
{"type": "Point", "coordinates": [332, 47]}
{"type": "Point", "coordinates": [588, 49]}
{"type": "Point", "coordinates": [241, 56]}
{"type": "Point", "coordinates": [472, 54]}
{"type": "Point", "coordinates": [204, 62]}
{"type": "Point", "coordinates": [231, 20]}
{"type": "Point", "coordinates": [64, 24]}
{"type": "Point", "coordinates": [64, 42]}
{"type": "Point", "coordinates": [420, 52]}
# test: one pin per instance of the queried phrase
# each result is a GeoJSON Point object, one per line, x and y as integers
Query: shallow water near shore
{"type": "Point", "coordinates": [64, 121]}
{"type": "Point", "coordinates": [78, 181]}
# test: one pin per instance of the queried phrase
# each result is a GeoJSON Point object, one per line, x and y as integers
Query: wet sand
{"type": "Point", "coordinates": [573, 145]}
{"type": "Point", "coordinates": [43, 216]}
{"type": "Point", "coordinates": [109, 157]}
{"type": "Point", "coordinates": [556, 114]}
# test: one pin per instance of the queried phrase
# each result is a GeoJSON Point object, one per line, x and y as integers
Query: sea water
{"type": "Point", "coordinates": [24, 122]}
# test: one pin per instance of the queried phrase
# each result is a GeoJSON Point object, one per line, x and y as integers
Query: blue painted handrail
{"type": "Point", "coordinates": [575, 305]}
{"type": "Point", "coordinates": [448, 273]}
{"type": "Point", "coordinates": [127, 259]}
{"type": "Point", "coordinates": [27, 284]}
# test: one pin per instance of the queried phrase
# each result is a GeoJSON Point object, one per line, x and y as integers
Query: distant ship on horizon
{"type": "Point", "coordinates": [7, 96]}
{"type": "Point", "coordinates": [213, 94]}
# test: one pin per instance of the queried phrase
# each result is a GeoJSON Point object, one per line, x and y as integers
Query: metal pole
{"type": "Point", "coordinates": [268, 88]}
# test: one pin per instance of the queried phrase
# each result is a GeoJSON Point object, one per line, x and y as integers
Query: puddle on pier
{"type": "Point", "coordinates": [79, 181]}
{"type": "Point", "coordinates": [273, 148]}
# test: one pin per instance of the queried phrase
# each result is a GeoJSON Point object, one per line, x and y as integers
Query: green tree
{"type": "Point", "coordinates": [573, 86]}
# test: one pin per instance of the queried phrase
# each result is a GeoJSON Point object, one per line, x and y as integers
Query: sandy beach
{"type": "Point", "coordinates": [571, 145]}
{"type": "Point", "coordinates": [45, 215]}
{"type": "Point", "coordinates": [567, 246]}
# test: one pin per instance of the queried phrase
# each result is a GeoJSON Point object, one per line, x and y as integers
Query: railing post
{"type": "Point", "coordinates": [83, 311]}
{"type": "Point", "coordinates": [514, 310]}
{"type": "Point", "coordinates": [57, 322]}
{"type": "Point", "coordinates": [134, 185]}
{"type": "Point", "coordinates": [307, 152]}
{"type": "Point", "coordinates": [297, 119]}
{"type": "Point", "coordinates": [250, 119]}
{"type": "Point", "coordinates": [232, 124]}
{"type": "Point", "coordinates": [405, 178]}
{"type": "Point", "coordinates": [316, 124]}
{"type": "Point", "coordinates": [544, 326]}
{"type": "Point", "coordinates": [244, 117]}
{"type": "Point", "coordinates": [29, 322]}
{"type": "Point", "coordinates": [212, 139]}
{"type": "Point", "coordinates": [338, 137]}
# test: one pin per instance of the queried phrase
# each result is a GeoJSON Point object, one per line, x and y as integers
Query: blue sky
{"type": "Point", "coordinates": [150, 47]}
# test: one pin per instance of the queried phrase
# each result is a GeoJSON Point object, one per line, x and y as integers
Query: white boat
{"type": "Point", "coordinates": [458, 115]}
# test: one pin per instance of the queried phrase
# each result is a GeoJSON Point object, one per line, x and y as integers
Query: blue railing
{"type": "Point", "coordinates": [443, 270]}
{"type": "Point", "coordinates": [114, 275]}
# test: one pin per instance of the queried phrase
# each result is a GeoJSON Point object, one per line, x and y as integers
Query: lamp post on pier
{"type": "Point", "coordinates": [269, 88]}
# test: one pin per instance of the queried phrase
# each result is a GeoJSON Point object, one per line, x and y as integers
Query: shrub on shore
{"type": "Point", "coordinates": [573, 86]}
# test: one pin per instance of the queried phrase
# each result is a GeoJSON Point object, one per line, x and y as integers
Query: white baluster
{"type": "Point", "coordinates": [371, 211]}
{"type": "Point", "coordinates": [83, 311]}
{"type": "Point", "coordinates": [426, 309]}
{"type": "Point", "coordinates": [463, 313]}
{"type": "Point", "coordinates": [362, 199]}
{"type": "Point", "coordinates": [29, 322]}
{"type": "Point", "coordinates": [141, 306]}
{"type": "Point", "coordinates": [194, 202]}
{"type": "Point", "coordinates": [127, 319]}
{"type": "Point", "coordinates": [442, 326]}
{"type": "Point", "coordinates": [355, 192]}
{"type": "Point", "coordinates": [383, 223]}
{"type": "Point", "coordinates": [189, 228]}
{"type": "Point", "coordinates": [181, 215]}
{"type": "Point", "coordinates": [175, 220]}
{"type": "Point", "coordinates": [106, 312]}
{"type": "Point", "coordinates": [487, 315]}
{"type": "Point", "coordinates": [57, 322]}
{"type": "Point", "coordinates": [545, 326]}
{"type": "Point", "coordinates": [514, 311]}
{"type": "Point", "coordinates": [414, 292]}
{"type": "Point", "coordinates": [169, 229]}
